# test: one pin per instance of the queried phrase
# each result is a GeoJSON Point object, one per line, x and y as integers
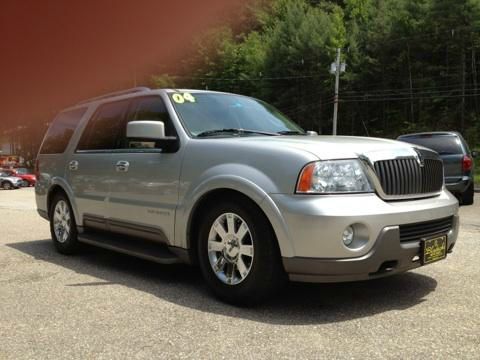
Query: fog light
{"type": "Point", "coordinates": [347, 236]}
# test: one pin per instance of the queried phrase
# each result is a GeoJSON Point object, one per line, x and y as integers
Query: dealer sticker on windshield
{"type": "Point", "coordinates": [181, 98]}
{"type": "Point", "coordinates": [434, 249]}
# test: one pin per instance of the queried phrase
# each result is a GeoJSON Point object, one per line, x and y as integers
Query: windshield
{"type": "Point", "coordinates": [22, 171]}
{"type": "Point", "coordinates": [208, 112]}
{"type": "Point", "coordinates": [442, 144]}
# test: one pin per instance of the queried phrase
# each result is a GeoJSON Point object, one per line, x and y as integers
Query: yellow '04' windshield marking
{"type": "Point", "coordinates": [181, 98]}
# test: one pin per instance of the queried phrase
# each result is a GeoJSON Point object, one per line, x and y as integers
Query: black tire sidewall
{"type": "Point", "coordinates": [265, 275]}
{"type": "Point", "coordinates": [467, 196]}
{"type": "Point", "coordinates": [70, 246]}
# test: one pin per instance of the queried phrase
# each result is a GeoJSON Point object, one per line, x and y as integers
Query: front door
{"type": "Point", "coordinates": [144, 178]}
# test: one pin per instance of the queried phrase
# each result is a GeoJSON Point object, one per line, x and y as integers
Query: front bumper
{"type": "Point", "coordinates": [388, 257]}
{"type": "Point", "coordinates": [315, 224]}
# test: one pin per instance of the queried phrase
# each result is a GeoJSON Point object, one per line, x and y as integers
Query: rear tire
{"type": "Point", "coordinates": [240, 262]}
{"type": "Point", "coordinates": [62, 225]}
{"type": "Point", "coordinates": [467, 195]}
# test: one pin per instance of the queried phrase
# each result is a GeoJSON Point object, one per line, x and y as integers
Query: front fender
{"type": "Point", "coordinates": [243, 185]}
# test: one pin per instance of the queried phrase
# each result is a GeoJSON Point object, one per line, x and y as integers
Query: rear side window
{"type": "Point", "coordinates": [61, 131]}
{"type": "Point", "coordinates": [442, 144]}
{"type": "Point", "coordinates": [104, 128]}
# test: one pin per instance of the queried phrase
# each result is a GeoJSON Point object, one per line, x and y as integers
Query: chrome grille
{"type": "Point", "coordinates": [417, 231]}
{"type": "Point", "coordinates": [407, 177]}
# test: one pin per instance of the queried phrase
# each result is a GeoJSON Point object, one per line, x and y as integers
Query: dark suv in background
{"type": "Point", "coordinates": [457, 160]}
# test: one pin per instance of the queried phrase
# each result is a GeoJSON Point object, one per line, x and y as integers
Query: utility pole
{"type": "Point", "coordinates": [462, 104]}
{"type": "Point", "coordinates": [336, 68]}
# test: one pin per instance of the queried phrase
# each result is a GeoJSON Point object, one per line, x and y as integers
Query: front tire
{"type": "Point", "coordinates": [62, 225]}
{"type": "Point", "coordinates": [467, 195]}
{"type": "Point", "coordinates": [238, 253]}
{"type": "Point", "coordinates": [7, 185]}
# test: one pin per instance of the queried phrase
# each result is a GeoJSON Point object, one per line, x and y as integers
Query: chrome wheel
{"type": "Point", "coordinates": [6, 185]}
{"type": "Point", "coordinates": [230, 248]}
{"type": "Point", "coordinates": [61, 221]}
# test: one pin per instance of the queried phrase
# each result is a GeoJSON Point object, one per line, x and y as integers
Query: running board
{"type": "Point", "coordinates": [140, 248]}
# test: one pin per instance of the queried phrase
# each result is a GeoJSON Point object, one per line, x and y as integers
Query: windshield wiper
{"type": "Point", "coordinates": [233, 131]}
{"type": "Point", "coordinates": [290, 132]}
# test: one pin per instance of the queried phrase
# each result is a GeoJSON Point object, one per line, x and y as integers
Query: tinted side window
{"type": "Point", "coordinates": [103, 129]}
{"type": "Point", "coordinates": [61, 131]}
{"type": "Point", "coordinates": [147, 108]}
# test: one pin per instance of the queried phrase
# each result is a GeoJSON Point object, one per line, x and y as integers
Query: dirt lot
{"type": "Point", "coordinates": [105, 305]}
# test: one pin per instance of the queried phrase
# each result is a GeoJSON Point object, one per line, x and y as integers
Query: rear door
{"type": "Point", "coordinates": [90, 164]}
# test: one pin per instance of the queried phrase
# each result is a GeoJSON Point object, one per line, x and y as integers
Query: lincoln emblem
{"type": "Point", "coordinates": [419, 158]}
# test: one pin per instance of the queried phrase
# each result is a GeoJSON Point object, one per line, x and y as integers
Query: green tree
{"type": "Point", "coordinates": [411, 64]}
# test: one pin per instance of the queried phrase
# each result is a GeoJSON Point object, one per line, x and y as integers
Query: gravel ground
{"type": "Point", "coordinates": [105, 305]}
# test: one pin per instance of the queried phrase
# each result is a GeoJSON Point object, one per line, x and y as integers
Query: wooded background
{"type": "Point", "coordinates": [411, 64]}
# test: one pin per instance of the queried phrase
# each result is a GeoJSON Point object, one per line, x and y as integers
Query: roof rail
{"type": "Point", "coordinates": [115, 93]}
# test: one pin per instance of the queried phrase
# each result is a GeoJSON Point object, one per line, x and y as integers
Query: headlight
{"type": "Point", "coordinates": [333, 176]}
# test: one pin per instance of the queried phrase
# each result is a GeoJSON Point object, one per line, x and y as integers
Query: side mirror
{"type": "Point", "coordinates": [146, 129]}
{"type": "Point", "coordinates": [474, 153]}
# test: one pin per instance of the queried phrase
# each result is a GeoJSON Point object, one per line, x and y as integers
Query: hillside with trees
{"type": "Point", "coordinates": [411, 64]}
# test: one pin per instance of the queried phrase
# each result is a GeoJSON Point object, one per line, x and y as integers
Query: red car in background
{"type": "Point", "coordinates": [28, 179]}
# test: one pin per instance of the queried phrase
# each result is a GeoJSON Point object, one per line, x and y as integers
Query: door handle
{"type": "Point", "coordinates": [122, 166]}
{"type": "Point", "coordinates": [73, 165]}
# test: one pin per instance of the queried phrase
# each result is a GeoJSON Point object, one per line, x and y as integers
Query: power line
{"type": "Point", "coordinates": [367, 99]}
{"type": "Point", "coordinates": [401, 89]}
{"type": "Point", "coordinates": [312, 76]}
{"type": "Point", "coordinates": [400, 93]}
{"type": "Point", "coordinates": [427, 78]}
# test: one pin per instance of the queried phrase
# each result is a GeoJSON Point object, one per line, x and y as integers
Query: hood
{"type": "Point", "coordinates": [343, 147]}
{"type": "Point", "coordinates": [13, 179]}
{"type": "Point", "coordinates": [27, 176]}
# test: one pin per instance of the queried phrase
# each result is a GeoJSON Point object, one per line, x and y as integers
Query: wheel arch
{"type": "Point", "coordinates": [58, 187]}
{"type": "Point", "coordinates": [263, 203]}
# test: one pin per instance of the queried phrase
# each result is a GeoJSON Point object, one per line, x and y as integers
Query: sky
{"type": "Point", "coordinates": [53, 53]}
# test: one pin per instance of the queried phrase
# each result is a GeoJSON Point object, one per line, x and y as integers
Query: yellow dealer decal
{"type": "Point", "coordinates": [188, 97]}
{"type": "Point", "coordinates": [181, 98]}
{"type": "Point", "coordinates": [178, 98]}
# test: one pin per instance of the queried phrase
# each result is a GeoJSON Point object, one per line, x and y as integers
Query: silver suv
{"type": "Point", "coordinates": [229, 183]}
